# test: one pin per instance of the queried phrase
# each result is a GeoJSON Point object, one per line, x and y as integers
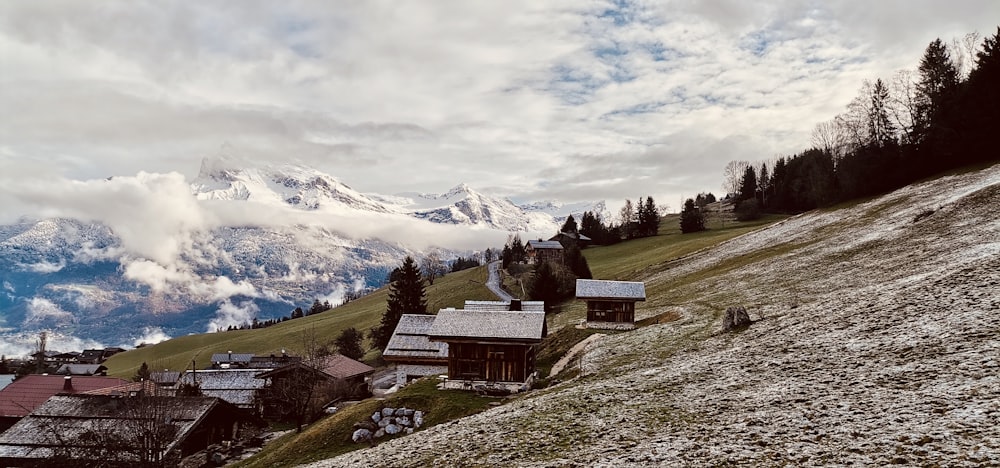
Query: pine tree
{"type": "Point", "coordinates": [143, 374]}
{"type": "Point", "coordinates": [569, 226]}
{"type": "Point", "coordinates": [748, 188]}
{"type": "Point", "coordinates": [691, 218]}
{"type": "Point", "coordinates": [348, 343]}
{"type": "Point", "coordinates": [406, 296]}
{"type": "Point", "coordinates": [574, 260]}
{"type": "Point", "coordinates": [545, 285]}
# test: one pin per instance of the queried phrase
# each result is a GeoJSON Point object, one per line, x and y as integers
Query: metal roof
{"type": "Point", "coordinates": [231, 357]}
{"type": "Point", "coordinates": [503, 325]}
{"type": "Point", "coordinates": [614, 290]}
{"type": "Point", "coordinates": [410, 339]}
{"type": "Point", "coordinates": [27, 393]}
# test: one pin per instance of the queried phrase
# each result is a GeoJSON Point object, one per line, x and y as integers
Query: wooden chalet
{"type": "Point", "coordinates": [539, 251]}
{"type": "Point", "coordinates": [238, 387]}
{"type": "Point", "coordinates": [610, 304]}
{"type": "Point", "coordinates": [119, 431]}
{"type": "Point", "coordinates": [412, 351]}
{"type": "Point", "coordinates": [489, 346]}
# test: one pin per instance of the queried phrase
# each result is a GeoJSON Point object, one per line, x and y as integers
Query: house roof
{"type": "Point", "coordinates": [410, 339]}
{"type": "Point", "coordinates": [571, 235]}
{"type": "Point", "coordinates": [232, 357]}
{"type": "Point", "coordinates": [59, 423]}
{"type": "Point", "coordinates": [147, 387]}
{"type": "Point", "coordinates": [335, 366]}
{"type": "Point", "coordinates": [613, 290]}
{"type": "Point", "coordinates": [536, 306]}
{"type": "Point", "coordinates": [540, 244]}
{"type": "Point", "coordinates": [30, 391]}
{"type": "Point", "coordinates": [167, 378]}
{"type": "Point", "coordinates": [501, 325]}
{"type": "Point", "coordinates": [81, 369]}
{"type": "Point", "coordinates": [237, 386]}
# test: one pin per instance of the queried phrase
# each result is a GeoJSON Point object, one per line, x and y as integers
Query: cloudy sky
{"type": "Point", "coordinates": [567, 100]}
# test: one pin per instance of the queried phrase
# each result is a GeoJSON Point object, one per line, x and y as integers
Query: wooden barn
{"type": "Point", "coordinates": [413, 353]}
{"type": "Point", "coordinates": [610, 304]}
{"type": "Point", "coordinates": [489, 347]}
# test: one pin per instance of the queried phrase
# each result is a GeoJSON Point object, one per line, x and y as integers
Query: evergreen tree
{"type": "Point", "coordinates": [545, 285]}
{"type": "Point", "coordinates": [316, 308]}
{"type": "Point", "coordinates": [569, 226]}
{"type": "Point", "coordinates": [406, 296]}
{"type": "Point", "coordinates": [649, 218]}
{"type": "Point", "coordinates": [591, 227]}
{"type": "Point", "coordinates": [143, 374]}
{"type": "Point", "coordinates": [297, 313]}
{"type": "Point", "coordinates": [691, 218]}
{"type": "Point", "coordinates": [881, 132]}
{"type": "Point", "coordinates": [574, 260]}
{"type": "Point", "coordinates": [348, 343]}
{"type": "Point", "coordinates": [748, 188]}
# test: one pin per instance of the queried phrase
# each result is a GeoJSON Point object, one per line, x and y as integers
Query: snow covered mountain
{"type": "Point", "coordinates": [249, 242]}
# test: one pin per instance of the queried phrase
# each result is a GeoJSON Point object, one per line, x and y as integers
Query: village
{"type": "Point", "coordinates": [225, 409]}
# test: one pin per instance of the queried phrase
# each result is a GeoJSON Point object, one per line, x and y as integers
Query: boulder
{"type": "Point", "coordinates": [418, 418]}
{"type": "Point", "coordinates": [388, 411]}
{"type": "Point", "coordinates": [736, 318]}
{"type": "Point", "coordinates": [393, 429]}
{"type": "Point", "coordinates": [404, 421]}
{"type": "Point", "coordinates": [377, 416]}
{"type": "Point", "coordinates": [408, 413]}
{"type": "Point", "coordinates": [400, 412]}
{"type": "Point", "coordinates": [362, 435]}
{"type": "Point", "coordinates": [386, 421]}
{"type": "Point", "coordinates": [380, 433]}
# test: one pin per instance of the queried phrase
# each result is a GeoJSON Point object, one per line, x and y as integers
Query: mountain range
{"type": "Point", "coordinates": [252, 242]}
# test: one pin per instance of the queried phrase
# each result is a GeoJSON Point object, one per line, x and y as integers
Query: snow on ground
{"type": "Point", "coordinates": [879, 343]}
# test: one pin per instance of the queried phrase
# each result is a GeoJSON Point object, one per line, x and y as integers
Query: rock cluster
{"type": "Point", "coordinates": [389, 421]}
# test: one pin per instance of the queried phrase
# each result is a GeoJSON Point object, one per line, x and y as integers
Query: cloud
{"type": "Point", "coordinates": [45, 266]}
{"type": "Point", "coordinates": [230, 314]}
{"type": "Point", "coordinates": [23, 344]}
{"type": "Point", "coordinates": [42, 310]}
{"type": "Point", "coordinates": [150, 335]}
{"type": "Point", "coordinates": [418, 97]}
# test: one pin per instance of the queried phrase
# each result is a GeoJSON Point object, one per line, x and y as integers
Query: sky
{"type": "Point", "coordinates": [556, 100]}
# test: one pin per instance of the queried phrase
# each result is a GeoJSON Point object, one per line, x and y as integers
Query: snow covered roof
{"type": "Point", "coordinates": [231, 358]}
{"type": "Point", "coordinates": [410, 339]}
{"type": "Point", "coordinates": [602, 289]}
{"type": "Point", "coordinates": [484, 325]}
{"type": "Point", "coordinates": [535, 306]}
{"type": "Point", "coordinates": [540, 244]}
{"type": "Point", "coordinates": [237, 386]}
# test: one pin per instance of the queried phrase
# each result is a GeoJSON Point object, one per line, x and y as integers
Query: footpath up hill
{"type": "Point", "coordinates": [876, 341]}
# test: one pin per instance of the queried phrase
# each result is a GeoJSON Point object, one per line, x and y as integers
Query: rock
{"type": "Point", "coordinates": [418, 418]}
{"type": "Point", "coordinates": [408, 413]}
{"type": "Point", "coordinates": [393, 429]}
{"type": "Point", "coordinates": [400, 412]}
{"type": "Point", "coordinates": [736, 317]}
{"type": "Point", "coordinates": [388, 411]}
{"type": "Point", "coordinates": [362, 435]}
{"type": "Point", "coordinates": [380, 433]}
{"type": "Point", "coordinates": [408, 430]}
{"type": "Point", "coordinates": [386, 421]}
{"type": "Point", "coordinates": [404, 421]}
{"type": "Point", "coordinates": [377, 416]}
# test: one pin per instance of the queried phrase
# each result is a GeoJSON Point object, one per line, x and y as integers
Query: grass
{"type": "Point", "coordinates": [331, 436]}
{"type": "Point", "coordinates": [450, 290]}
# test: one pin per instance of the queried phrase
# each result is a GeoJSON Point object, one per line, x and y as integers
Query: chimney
{"type": "Point", "coordinates": [515, 305]}
{"type": "Point", "coordinates": [68, 383]}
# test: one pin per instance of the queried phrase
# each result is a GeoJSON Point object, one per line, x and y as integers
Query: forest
{"type": "Point", "coordinates": [915, 124]}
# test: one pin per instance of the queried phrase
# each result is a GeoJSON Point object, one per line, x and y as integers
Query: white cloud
{"type": "Point", "coordinates": [230, 314]}
{"type": "Point", "coordinates": [45, 266]}
{"type": "Point", "coordinates": [43, 310]}
{"type": "Point", "coordinates": [150, 335]}
{"type": "Point", "coordinates": [23, 344]}
{"type": "Point", "coordinates": [400, 97]}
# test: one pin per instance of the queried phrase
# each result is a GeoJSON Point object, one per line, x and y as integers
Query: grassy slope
{"type": "Point", "coordinates": [449, 291]}
{"type": "Point", "coordinates": [626, 261]}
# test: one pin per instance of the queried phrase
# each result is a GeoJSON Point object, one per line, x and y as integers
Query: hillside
{"type": "Point", "coordinates": [449, 291]}
{"type": "Point", "coordinates": [876, 342]}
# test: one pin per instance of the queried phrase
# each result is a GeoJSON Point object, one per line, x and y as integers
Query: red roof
{"type": "Point", "coordinates": [23, 395]}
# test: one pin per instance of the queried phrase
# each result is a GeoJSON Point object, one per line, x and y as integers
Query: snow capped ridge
{"type": "Point", "coordinates": [298, 186]}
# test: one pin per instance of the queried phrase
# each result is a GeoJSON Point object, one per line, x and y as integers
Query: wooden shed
{"type": "Point", "coordinates": [489, 346]}
{"type": "Point", "coordinates": [610, 304]}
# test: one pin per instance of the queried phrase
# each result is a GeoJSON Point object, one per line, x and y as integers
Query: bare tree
{"type": "Point", "coordinates": [963, 53]}
{"type": "Point", "coordinates": [903, 103]}
{"type": "Point", "coordinates": [830, 137]}
{"type": "Point", "coordinates": [733, 177]}
{"type": "Point", "coordinates": [433, 267]}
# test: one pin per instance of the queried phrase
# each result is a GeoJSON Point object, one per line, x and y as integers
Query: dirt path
{"type": "Point", "coordinates": [561, 363]}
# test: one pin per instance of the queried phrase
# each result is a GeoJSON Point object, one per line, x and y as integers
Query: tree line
{"type": "Point", "coordinates": [896, 131]}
